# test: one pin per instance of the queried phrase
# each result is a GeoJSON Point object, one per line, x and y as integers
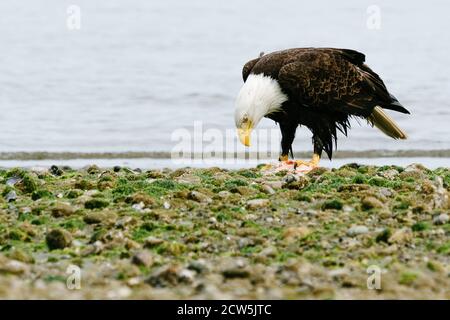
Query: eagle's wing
{"type": "Point", "coordinates": [335, 80]}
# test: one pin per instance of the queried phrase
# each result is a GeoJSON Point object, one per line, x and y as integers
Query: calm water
{"type": "Point", "coordinates": [137, 70]}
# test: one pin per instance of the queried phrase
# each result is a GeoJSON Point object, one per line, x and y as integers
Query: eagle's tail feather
{"type": "Point", "coordinates": [382, 121]}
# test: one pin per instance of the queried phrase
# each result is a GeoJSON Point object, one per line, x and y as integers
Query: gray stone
{"type": "Point", "coordinates": [257, 203]}
{"type": "Point", "coordinates": [441, 219]}
{"type": "Point", "coordinates": [357, 230]}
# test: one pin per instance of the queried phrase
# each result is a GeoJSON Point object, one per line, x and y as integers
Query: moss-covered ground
{"type": "Point", "coordinates": [215, 233]}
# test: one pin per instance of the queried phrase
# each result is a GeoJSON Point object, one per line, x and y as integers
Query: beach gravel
{"type": "Point", "coordinates": [212, 233]}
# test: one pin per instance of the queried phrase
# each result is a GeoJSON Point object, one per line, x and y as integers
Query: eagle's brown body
{"type": "Point", "coordinates": [325, 87]}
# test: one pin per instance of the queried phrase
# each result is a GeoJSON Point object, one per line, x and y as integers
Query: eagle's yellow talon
{"type": "Point", "coordinates": [313, 163]}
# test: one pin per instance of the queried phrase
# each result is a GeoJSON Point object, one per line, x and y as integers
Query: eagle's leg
{"type": "Point", "coordinates": [287, 138]}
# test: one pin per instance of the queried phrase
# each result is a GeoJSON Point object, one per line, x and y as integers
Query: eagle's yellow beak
{"type": "Point", "coordinates": [244, 133]}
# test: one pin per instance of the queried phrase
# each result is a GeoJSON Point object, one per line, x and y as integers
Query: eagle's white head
{"type": "Point", "coordinates": [259, 96]}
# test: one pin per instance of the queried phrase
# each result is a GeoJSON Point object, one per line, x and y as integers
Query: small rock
{"type": "Point", "coordinates": [198, 266]}
{"type": "Point", "coordinates": [140, 197]}
{"type": "Point", "coordinates": [257, 204]}
{"type": "Point", "coordinates": [12, 181]}
{"type": "Point", "coordinates": [171, 275]}
{"type": "Point", "coordinates": [189, 179]}
{"type": "Point", "coordinates": [236, 272]}
{"type": "Point", "coordinates": [441, 219]}
{"type": "Point", "coordinates": [132, 245]}
{"type": "Point", "coordinates": [401, 236]}
{"type": "Point", "coordinates": [295, 184]}
{"type": "Point", "coordinates": [11, 196]}
{"type": "Point", "coordinates": [371, 203]}
{"type": "Point", "coordinates": [58, 239]}
{"type": "Point", "coordinates": [151, 242]}
{"type": "Point", "coordinates": [93, 169]}
{"type": "Point", "coordinates": [96, 203]}
{"type": "Point", "coordinates": [440, 197]}
{"type": "Point", "coordinates": [243, 190]}
{"type": "Point", "coordinates": [12, 266]}
{"type": "Point", "coordinates": [289, 178]}
{"type": "Point", "coordinates": [224, 194]}
{"type": "Point", "coordinates": [105, 217]}
{"type": "Point", "coordinates": [385, 192]}
{"type": "Point", "coordinates": [357, 230]}
{"type": "Point", "coordinates": [56, 171]}
{"type": "Point", "coordinates": [22, 256]}
{"type": "Point", "coordinates": [62, 209]}
{"type": "Point", "coordinates": [389, 174]}
{"type": "Point", "coordinates": [166, 205]}
{"type": "Point", "coordinates": [270, 252]}
{"type": "Point", "coordinates": [212, 220]}
{"type": "Point", "coordinates": [383, 235]}
{"type": "Point", "coordinates": [278, 184]}
{"type": "Point", "coordinates": [143, 258]}
{"type": "Point", "coordinates": [116, 168]}
{"type": "Point", "coordinates": [267, 189]}
{"type": "Point", "coordinates": [293, 233]}
{"type": "Point", "coordinates": [138, 206]}
{"type": "Point", "coordinates": [199, 197]}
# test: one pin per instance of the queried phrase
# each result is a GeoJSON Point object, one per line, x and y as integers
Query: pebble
{"type": "Point", "coordinates": [143, 258]}
{"type": "Point", "coordinates": [257, 203]}
{"type": "Point", "coordinates": [96, 203]}
{"type": "Point", "coordinates": [12, 181]}
{"type": "Point", "coordinates": [289, 178]}
{"type": "Point", "coordinates": [62, 209]}
{"type": "Point", "coordinates": [170, 275]}
{"type": "Point", "coordinates": [386, 192]}
{"type": "Point", "coordinates": [199, 197]}
{"type": "Point", "coordinates": [11, 196]}
{"type": "Point", "coordinates": [105, 217]}
{"type": "Point", "coordinates": [278, 184]}
{"type": "Point", "coordinates": [389, 174]}
{"type": "Point", "coordinates": [441, 219]}
{"type": "Point", "coordinates": [267, 189]}
{"type": "Point", "coordinates": [55, 170]}
{"type": "Point", "coordinates": [58, 239]}
{"type": "Point", "coordinates": [198, 266]}
{"type": "Point", "coordinates": [401, 236]}
{"type": "Point", "coordinates": [138, 206]}
{"type": "Point", "coordinates": [357, 230]}
{"type": "Point", "coordinates": [12, 266]}
{"type": "Point", "coordinates": [189, 179]}
{"type": "Point", "coordinates": [151, 242]}
{"type": "Point", "coordinates": [269, 252]}
{"type": "Point", "coordinates": [293, 233]}
{"type": "Point", "coordinates": [224, 194]}
{"type": "Point", "coordinates": [371, 203]}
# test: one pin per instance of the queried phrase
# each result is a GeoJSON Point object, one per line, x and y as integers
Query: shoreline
{"type": "Point", "coordinates": [152, 163]}
{"type": "Point", "coordinates": [263, 155]}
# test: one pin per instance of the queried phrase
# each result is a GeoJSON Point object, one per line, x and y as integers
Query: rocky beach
{"type": "Point", "coordinates": [122, 233]}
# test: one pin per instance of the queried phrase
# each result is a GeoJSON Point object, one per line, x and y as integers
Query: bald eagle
{"type": "Point", "coordinates": [320, 88]}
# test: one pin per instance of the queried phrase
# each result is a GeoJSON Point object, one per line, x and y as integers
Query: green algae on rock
{"type": "Point", "coordinates": [216, 233]}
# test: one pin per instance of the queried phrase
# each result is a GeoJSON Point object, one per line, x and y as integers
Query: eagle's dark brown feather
{"type": "Point", "coordinates": [325, 87]}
